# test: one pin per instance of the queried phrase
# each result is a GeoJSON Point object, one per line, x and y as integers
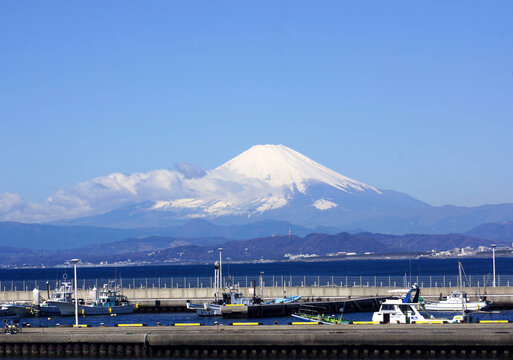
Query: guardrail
{"type": "Point", "coordinates": [429, 281]}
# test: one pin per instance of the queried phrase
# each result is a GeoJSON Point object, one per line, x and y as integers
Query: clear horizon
{"type": "Point", "coordinates": [412, 97]}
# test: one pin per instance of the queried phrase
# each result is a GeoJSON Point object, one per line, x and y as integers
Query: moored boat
{"type": "Point", "coordinates": [408, 311]}
{"type": "Point", "coordinates": [457, 301]}
{"type": "Point", "coordinates": [108, 302]}
{"type": "Point", "coordinates": [316, 314]}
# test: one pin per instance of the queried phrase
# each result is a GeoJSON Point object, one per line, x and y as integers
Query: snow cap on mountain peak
{"type": "Point", "coordinates": [279, 165]}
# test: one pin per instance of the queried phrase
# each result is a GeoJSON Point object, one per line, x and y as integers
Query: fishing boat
{"type": "Point", "coordinates": [108, 302]}
{"type": "Point", "coordinates": [63, 294]}
{"type": "Point", "coordinates": [457, 301]}
{"type": "Point", "coordinates": [231, 296]}
{"type": "Point", "coordinates": [408, 311]}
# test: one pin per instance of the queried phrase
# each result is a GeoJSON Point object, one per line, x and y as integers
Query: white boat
{"type": "Point", "coordinates": [106, 303]}
{"type": "Point", "coordinates": [209, 309]}
{"type": "Point", "coordinates": [64, 294]}
{"type": "Point", "coordinates": [457, 301]}
{"type": "Point", "coordinates": [408, 311]}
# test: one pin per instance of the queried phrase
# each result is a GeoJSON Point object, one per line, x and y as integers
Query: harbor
{"type": "Point", "coordinates": [275, 319]}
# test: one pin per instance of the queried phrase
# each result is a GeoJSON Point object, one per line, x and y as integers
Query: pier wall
{"type": "Point", "coordinates": [180, 295]}
{"type": "Point", "coordinates": [272, 341]}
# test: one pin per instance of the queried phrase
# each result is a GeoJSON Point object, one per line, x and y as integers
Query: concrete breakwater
{"type": "Point", "coordinates": [176, 297]}
{"type": "Point", "coordinates": [284, 341]}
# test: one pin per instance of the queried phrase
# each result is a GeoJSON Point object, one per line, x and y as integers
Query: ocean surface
{"type": "Point", "coordinates": [166, 319]}
{"type": "Point", "coordinates": [392, 267]}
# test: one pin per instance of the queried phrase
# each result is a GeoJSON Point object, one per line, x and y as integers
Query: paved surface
{"type": "Point", "coordinates": [446, 335]}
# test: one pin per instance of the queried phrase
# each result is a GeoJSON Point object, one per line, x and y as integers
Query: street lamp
{"type": "Point", "coordinates": [493, 256]}
{"type": "Point", "coordinates": [220, 270]}
{"type": "Point", "coordinates": [75, 261]}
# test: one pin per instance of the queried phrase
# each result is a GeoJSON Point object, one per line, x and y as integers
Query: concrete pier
{"type": "Point", "coordinates": [276, 341]}
{"type": "Point", "coordinates": [168, 297]}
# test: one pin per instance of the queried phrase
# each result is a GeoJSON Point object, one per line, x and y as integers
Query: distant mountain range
{"type": "Point", "coordinates": [172, 250]}
{"type": "Point", "coordinates": [197, 231]}
{"type": "Point", "coordinates": [266, 182]}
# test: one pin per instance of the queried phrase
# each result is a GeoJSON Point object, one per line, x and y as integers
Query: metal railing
{"type": "Point", "coordinates": [273, 280]}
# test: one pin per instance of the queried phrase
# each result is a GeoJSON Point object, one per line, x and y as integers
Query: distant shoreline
{"type": "Point", "coordinates": [401, 256]}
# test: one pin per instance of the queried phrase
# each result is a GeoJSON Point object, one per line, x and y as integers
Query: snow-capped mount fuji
{"type": "Point", "coordinates": [280, 166]}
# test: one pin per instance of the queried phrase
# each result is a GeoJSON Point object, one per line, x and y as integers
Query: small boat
{"type": "Point", "coordinates": [458, 301]}
{"type": "Point", "coordinates": [316, 314]}
{"type": "Point", "coordinates": [20, 310]}
{"type": "Point", "coordinates": [63, 294]}
{"type": "Point", "coordinates": [408, 311]}
{"type": "Point", "coordinates": [108, 302]}
{"type": "Point", "coordinates": [3, 310]}
{"type": "Point", "coordinates": [229, 298]}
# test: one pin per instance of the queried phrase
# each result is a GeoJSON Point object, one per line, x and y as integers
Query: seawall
{"type": "Point", "coordinates": [178, 296]}
{"type": "Point", "coordinates": [292, 341]}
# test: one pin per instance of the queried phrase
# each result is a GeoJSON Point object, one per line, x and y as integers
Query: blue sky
{"type": "Point", "coordinates": [411, 96]}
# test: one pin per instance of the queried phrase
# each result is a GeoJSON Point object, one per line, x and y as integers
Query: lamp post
{"type": "Point", "coordinates": [493, 257]}
{"type": "Point", "coordinates": [75, 261]}
{"type": "Point", "coordinates": [220, 270]}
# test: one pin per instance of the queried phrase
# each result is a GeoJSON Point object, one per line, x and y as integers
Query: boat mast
{"type": "Point", "coordinates": [220, 270]}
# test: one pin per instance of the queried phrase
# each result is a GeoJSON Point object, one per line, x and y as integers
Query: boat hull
{"type": "Point", "coordinates": [20, 310]}
{"type": "Point", "coordinates": [68, 309]}
{"type": "Point", "coordinates": [470, 306]}
{"type": "Point", "coordinates": [210, 310]}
